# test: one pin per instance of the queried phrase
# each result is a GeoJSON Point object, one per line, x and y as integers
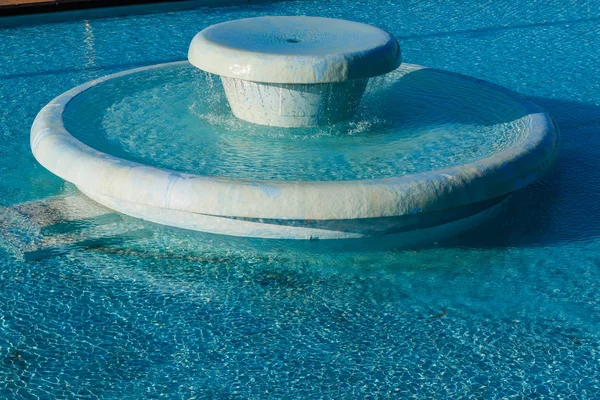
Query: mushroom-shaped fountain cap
{"type": "Point", "coordinates": [295, 50]}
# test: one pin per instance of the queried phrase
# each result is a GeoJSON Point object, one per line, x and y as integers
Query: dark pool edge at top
{"type": "Point", "coordinates": [37, 7]}
{"type": "Point", "coordinates": [53, 11]}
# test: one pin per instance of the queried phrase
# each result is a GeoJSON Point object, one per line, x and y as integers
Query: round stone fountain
{"type": "Point", "coordinates": [316, 149]}
{"type": "Point", "coordinates": [294, 71]}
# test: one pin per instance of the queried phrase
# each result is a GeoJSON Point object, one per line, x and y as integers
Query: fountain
{"type": "Point", "coordinates": [294, 71]}
{"type": "Point", "coordinates": [317, 149]}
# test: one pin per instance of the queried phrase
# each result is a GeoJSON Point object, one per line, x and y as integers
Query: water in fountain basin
{"type": "Point", "coordinates": [409, 121]}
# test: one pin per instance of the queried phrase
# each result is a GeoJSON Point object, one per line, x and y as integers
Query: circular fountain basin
{"type": "Point", "coordinates": [294, 71]}
{"type": "Point", "coordinates": [426, 150]}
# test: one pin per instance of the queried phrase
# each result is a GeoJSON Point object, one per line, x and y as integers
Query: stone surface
{"type": "Point", "coordinates": [294, 71]}
{"type": "Point", "coordinates": [293, 105]}
{"type": "Point", "coordinates": [294, 50]}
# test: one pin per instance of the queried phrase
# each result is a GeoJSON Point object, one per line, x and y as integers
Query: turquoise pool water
{"type": "Point", "coordinates": [412, 120]}
{"type": "Point", "coordinates": [133, 310]}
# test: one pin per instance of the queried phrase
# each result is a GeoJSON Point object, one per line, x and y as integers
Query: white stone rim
{"type": "Point", "coordinates": [281, 67]}
{"type": "Point", "coordinates": [511, 169]}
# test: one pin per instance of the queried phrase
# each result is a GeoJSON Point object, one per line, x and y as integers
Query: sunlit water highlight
{"type": "Point", "coordinates": [409, 121]}
{"type": "Point", "coordinates": [508, 310]}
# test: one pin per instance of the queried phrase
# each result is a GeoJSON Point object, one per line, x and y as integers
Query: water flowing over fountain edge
{"type": "Point", "coordinates": [292, 210]}
{"type": "Point", "coordinates": [294, 71]}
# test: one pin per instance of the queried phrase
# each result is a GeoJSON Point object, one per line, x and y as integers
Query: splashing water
{"type": "Point", "coordinates": [408, 121]}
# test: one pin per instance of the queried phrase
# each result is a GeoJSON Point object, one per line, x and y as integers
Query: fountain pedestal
{"type": "Point", "coordinates": [294, 71]}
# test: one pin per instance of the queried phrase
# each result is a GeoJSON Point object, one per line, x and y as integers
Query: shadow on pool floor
{"type": "Point", "coordinates": [562, 207]}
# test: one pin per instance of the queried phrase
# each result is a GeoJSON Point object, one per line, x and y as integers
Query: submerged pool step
{"type": "Point", "coordinates": [78, 225]}
{"type": "Point", "coordinates": [60, 209]}
{"type": "Point", "coordinates": [93, 243]}
{"type": "Point", "coordinates": [47, 228]}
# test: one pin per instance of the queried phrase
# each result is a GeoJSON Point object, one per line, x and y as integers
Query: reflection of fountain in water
{"type": "Point", "coordinates": [89, 41]}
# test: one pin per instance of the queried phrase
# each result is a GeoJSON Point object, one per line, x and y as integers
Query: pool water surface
{"type": "Point", "coordinates": [113, 307]}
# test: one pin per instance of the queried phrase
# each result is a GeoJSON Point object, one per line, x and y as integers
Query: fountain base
{"type": "Point", "coordinates": [403, 231]}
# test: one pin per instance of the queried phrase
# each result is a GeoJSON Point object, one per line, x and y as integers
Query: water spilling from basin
{"type": "Point", "coordinates": [165, 118]}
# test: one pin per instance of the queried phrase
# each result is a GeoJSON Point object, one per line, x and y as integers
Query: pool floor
{"type": "Point", "coordinates": [94, 304]}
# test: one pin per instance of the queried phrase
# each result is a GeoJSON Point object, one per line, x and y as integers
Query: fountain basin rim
{"type": "Point", "coordinates": [103, 174]}
{"type": "Point", "coordinates": [345, 50]}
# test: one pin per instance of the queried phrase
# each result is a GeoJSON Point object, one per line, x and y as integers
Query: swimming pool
{"type": "Point", "coordinates": [135, 310]}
